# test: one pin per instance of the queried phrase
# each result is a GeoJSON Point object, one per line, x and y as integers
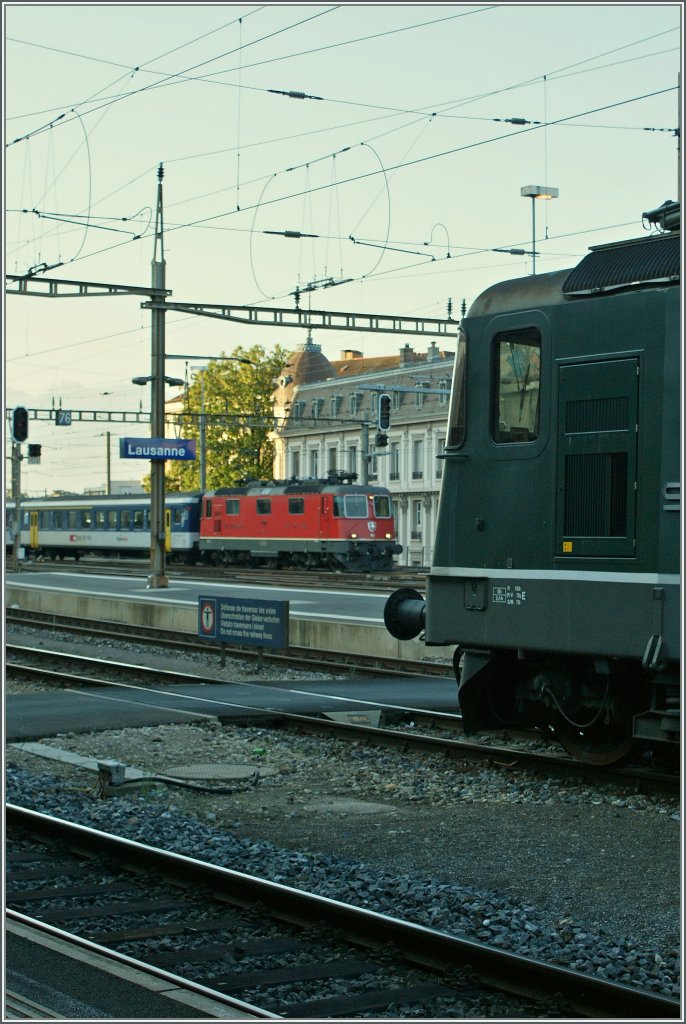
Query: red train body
{"type": "Point", "coordinates": [333, 523]}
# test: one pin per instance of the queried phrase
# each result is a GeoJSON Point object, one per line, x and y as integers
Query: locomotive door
{"type": "Point", "coordinates": [167, 530]}
{"type": "Point", "coordinates": [597, 459]}
{"type": "Point", "coordinates": [33, 529]}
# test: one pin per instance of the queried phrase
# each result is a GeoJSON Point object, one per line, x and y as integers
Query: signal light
{"type": "Point", "coordinates": [20, 424]}
{"type": "Point", "coordinates": [384, 412]}
{"type": "Point", "coordinates": [381, 440]}
{"type": "Point", "coordinates": [34, 451]}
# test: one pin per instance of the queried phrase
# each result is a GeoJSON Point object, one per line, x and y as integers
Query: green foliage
{"type": "Point", "coordinates": [238, 417]}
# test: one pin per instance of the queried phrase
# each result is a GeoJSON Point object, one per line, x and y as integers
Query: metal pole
{"type": "Point", "coordinates": [109, 463]}
{"type": "Point", "coordinates": [16, 497]}
{"type": "Point", "coordinates": [157, 576]}
{"type": "Point", "coordinates": [365, 454]}
{"type": "Point", "coordinates": [202, 432]}
{"type": "Point", "coordinates": [533, 234]}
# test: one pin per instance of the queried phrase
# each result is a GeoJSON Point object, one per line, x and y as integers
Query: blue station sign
{"type": "Point", "coordinates": [158, 448]}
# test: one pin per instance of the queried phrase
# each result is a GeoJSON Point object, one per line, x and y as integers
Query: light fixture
{"type": "Point", "coordinates": [172, 381]}
{"type": "Point", "coordinates": [535, 192]}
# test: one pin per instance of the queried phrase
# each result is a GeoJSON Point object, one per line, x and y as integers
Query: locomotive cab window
{"type": "Point", "coordinates": [350, 506]}
{"type": "Point", "coordinates": [516, 372]}
{"type": "Point", "coordinates": [382, 506]}
{"type": "Point", "coordinates": [456, 411]}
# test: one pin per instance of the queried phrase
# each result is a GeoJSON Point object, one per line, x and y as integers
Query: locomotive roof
{"type": "Point", "coordinates": [651, 260]}
{"type": "Point", "coordinates": [266, 487]}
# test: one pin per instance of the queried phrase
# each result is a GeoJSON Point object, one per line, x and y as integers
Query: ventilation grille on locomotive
{"type": "Point", "coordinates": [654, 259]}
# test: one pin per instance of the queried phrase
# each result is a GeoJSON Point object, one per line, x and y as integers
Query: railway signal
{"type": "Point", "coordinates": [20, 424]}
{"type": "Point", "coordinates": [384, 412]}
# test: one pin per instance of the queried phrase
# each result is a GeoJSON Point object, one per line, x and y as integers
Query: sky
{"type": "Point", "coordinates": [392, 139]}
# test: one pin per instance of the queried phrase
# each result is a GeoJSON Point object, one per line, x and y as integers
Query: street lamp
{"type": "Point", "coordinates": [535, 192]}
{"type": "Point", "coordinates": [173, 381]}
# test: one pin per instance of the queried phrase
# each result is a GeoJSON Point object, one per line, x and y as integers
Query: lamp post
{"type": "Point", "coordinates": [535, 192]}
{"type": "Point", "coordinates": [201, 431]}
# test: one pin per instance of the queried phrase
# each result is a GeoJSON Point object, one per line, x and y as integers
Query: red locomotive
{"type": "Point", "coordinates": [327, 524]}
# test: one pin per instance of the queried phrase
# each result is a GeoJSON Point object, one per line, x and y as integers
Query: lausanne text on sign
{"type": "Point", "coordinates": [156, 448]}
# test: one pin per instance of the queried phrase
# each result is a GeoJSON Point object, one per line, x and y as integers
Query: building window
{"type": "Point", "coordinates": [335, 404]}
{"type": "Point", "coordinates": [440, 448]}
{"type": "Point", "coordinates": [417, 459]}
{"type": "Point", "coordinates": [353, 404]}
{"type": "Point", "coordinates": [373, 467]}
{"type": "Point", "coordinates": [332, 458]}
{"type": "Point", "coordinates": [397, 399]}
{"type": "Point", "coordinates": [298, 410]}
{"type": "Point", "coordinates": [295, 463]}
{"type": "Point", "coordinates": [314, 463]}
{"type": "Point", "coordinates": [416, 533]}
{"type": "Point", "coordinates": [352, 458]}
{"type": "Point", "coordinates": [317, 406]}
{"type": "Point", "coordinates": [445, 384]}
{"type": "Point", "coordinates": [375, 402]}
{"type": "Point", "coordinates": [394, 461]}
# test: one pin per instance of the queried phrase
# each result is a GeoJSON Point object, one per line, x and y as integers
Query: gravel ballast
{"type": "Point", "coordinates": [584, 876]}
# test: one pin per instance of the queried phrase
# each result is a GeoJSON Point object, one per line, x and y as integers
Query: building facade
{"type": "Point", "coordinates": [326, 416]}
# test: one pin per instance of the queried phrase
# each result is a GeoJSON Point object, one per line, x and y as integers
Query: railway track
{"type": "Point", "coordinates": [372, 581]}
{"type": "Point", "coordinates": [273, 950]}
{"type": "Point", "coordinates": [293, 657]}
{"type": "Point", "coordinates": [381, 724]}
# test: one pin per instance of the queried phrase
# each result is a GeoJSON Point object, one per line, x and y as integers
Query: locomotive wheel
{"type": "Point", "coordinates": [601, 745]}
{"type": "Point", "coordinates": [603, 733]}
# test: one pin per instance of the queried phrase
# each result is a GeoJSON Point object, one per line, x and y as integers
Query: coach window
{"type": "Point", "coordinates": [296, 506]}
{"type": "Point", "coordinates": [86, 517]}
{"type": "Point", "coordinates": [71, 520]}
{"type": "Point", "coordinates": [233, 506]}
{"type": "Point", "coordinates": [112, 519]}
{"type": "Point", "coordinates": [100, 519]}
{"type": "Point", "coordinates": [58, 519]}
{"type": "Point", "coordinates": [515, 411]}
{"type": "Point", "coordinates": [177, 516]}
{"type": "Point", "coordinates": [263, 506]}
{"type": "Point", "coordinates": [138, 519]}
{"type": "Point", "coordinates": [125, 519]}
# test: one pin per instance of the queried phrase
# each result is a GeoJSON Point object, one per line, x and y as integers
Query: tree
{"type": "Point", "coordinates": [238, 417]}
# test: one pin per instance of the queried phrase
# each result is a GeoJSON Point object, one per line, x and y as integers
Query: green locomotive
{"type": "Point", "coordinates": [557, 554]}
